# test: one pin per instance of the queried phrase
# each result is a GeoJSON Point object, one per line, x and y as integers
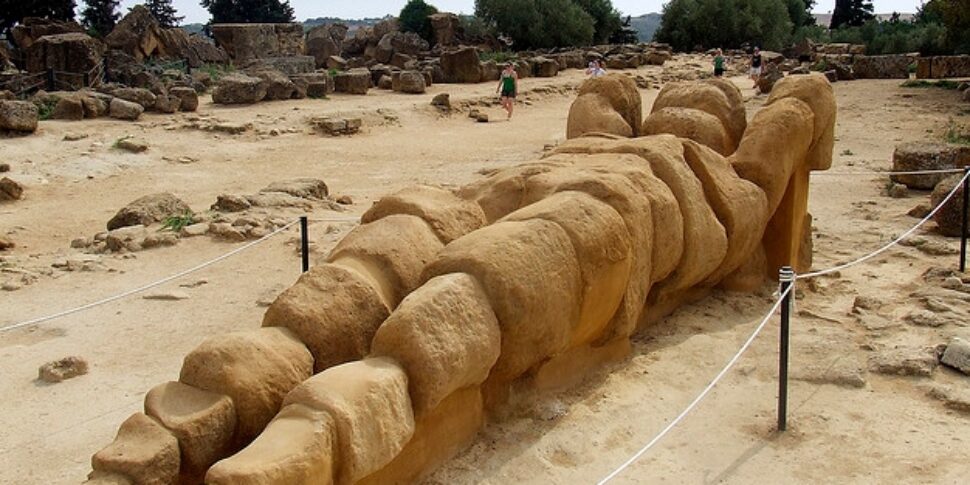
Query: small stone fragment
{"type": "Point", "coordinates": [61, 370]}
{"type": "Point", "coordinates": [10, 190]}
{"type": "Point", "coordinates": [167, 296]}
{"type": "Point", "coordinates": [131, 145]}
{"type": "Point", "coordinates": [345, 200]}
{"type": "Point", "coordinates": [957, 355]}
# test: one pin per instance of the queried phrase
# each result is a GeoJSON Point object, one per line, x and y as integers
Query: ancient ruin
{"type": "Point", "coordinates": [379, 365]}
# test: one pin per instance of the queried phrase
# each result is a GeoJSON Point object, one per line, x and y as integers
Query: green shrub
{"type": "Point", "coordinates": [538, 23]}
{"type": "Point", "coordinates": [500, 57]}
{"type": "Point", "coordinates": [415, 17]}
{"type": "Point", "coordinates": [45, 108]}
{"type": "Point", "coordinates": [922, 83]}
{"type": "Point", "coordinates": [176, 223]}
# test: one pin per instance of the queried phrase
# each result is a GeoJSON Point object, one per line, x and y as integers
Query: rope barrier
{"type": "Point", "coordinates": [150, 285]}
{"type": "Point", "coordinates": [912, 172]}
{"type": "Point", "coordinates": [891, 244]}
{"type": "Point", "coordinates": [720, 375]}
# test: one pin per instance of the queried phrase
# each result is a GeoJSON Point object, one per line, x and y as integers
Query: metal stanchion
{"type": "Point", "coordinates": [304, 243]}
{"type": "Point", "coordinates": [963, 222]}
{"type": "Point", "coordinates": [787, 278]}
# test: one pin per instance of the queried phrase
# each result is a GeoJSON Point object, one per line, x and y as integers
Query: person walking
{"type": "Point", "coordinates": [595, 69]}
{"type": "Point", "coordinates": [756, 66]}
{"type": "Point", "coordinates": [508, 84]}
{"type": "Point", "coordinates": [719, 63]}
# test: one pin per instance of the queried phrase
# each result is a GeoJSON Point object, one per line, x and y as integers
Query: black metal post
{"type": "Point", "coordinates": [50, 79]}
{"type": "Point", "coordinates": [304, 243]}
{"type": "Point", "coordinates": [787, 278]}
{"type": "Point", "coordinates": [87, 80]}
{"type": "Point", "coordinates": [963, 222]}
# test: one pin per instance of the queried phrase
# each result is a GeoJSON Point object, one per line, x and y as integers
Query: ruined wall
{"type": "Point", "coordinates": [385, 361]}
{"type": "Point", "coordinates": [244, 42]}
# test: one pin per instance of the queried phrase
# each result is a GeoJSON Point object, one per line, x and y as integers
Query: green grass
{"type": "Point", "coordinates": [500, 57]}
{"type": "Point", "coordinates": [117, 144]}
{"type": "Point", "coordinates": [922, 83]}
{"type": "Point", "coordinates": [959, 135]}
{"type": "Point", "coordinates": [333, 72]}
{"type": "Point", "coordinates": [45, 109]}
{"type": "Point", "coordinates": [176, 223]}
{"type": "Point", "coordinates": [217, 71]}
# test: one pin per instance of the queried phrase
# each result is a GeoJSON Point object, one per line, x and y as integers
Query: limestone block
{"type": "Point", "coordinates": [256, 369]}
{"type": "Point", "coordinates": [531, 275]}
{"type": "Point", "coordinates": [369, 403]}
{"type": "Point", "coordinates": [392, 251]}
{"type": "Point", "coordinates": [203, 423]}
{"type": "Point", "coordinates": [602, 243]}
{"type": "Point", "coordinates": [445, 336]}
{"type": "Point", "coordinates": [333, 310]}
{"type": "Point", "coordinates": [143, 451]}
{"type": "Point", "coordinates": [297, 447]}
{"type": "Point", "coordinates": [449, 216]}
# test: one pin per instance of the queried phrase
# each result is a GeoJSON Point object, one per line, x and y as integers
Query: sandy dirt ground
{"type": "Point", "coordinates": [849, 423]}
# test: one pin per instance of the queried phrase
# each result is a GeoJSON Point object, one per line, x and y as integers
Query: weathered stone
{"type": "Point", "coordinates": [354, 81]}
{"type": "Point", "coordinates": [63, 369]}
{"type": "Point", "coordinates": [239, 88]}
{"type": "Point", "coordinates": [68, 108]}
{"type": "Point", "coordinates": [143, 451]}
{"type": "Point", "coordinates": [461, 65]}
{"type": "Point", "coordinates": [125, 110]}
{"type": "Point", "coordinates": [10, 189]}
{"type": "Point", "coordinates": [231, 203]}
{"type": "Point", "coordinates": [446, 337]}
{"type": "Point", "coordinates": [447, 29]}
{"type": "Point", "coordinates": [369, 402]}
{"type": "Point", "coordinates": [333, 310]}
{"type": "Point", "coordinates": [305, 188]}
{"type": "Point", "coordinates": [21, 116]}
{"type": "Point", "coordinates": [949, 218]}
{"type": "Point", "coordinates": [203, 423]}
{"type": "Point", "coordinates": [71, 52]}
{"type": "Point", "coordinates": [149, 209]}
{"type": "Point", "coordinates": [894, 66]}
{"type": "Point", "coordinates": [927, 156]}
{"type": "Point", "coordinates": [412, 82]}
{"type": "Point", "coordinates": [545, 67]}
{"type": "Point", "coordinates": [905, 362]}
{"type": "Point", "coordinates": [249, 41]}
{"type": "Point", "coordinates": [255, 369]}
{"type": "Point", "coordinates": [957, 355]}
{"type": "Point", "coordinates": [276, 84]}
{"type": "Point", "coordinates": [188, 98]}
{"type": "Point", "coordinates": [442, 101]}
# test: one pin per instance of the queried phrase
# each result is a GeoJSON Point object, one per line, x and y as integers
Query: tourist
{"type": "Point", "coordinates": [755, 66]}
{"type": "Point", "coordinates": [509, 85]}
{"type": "Point", "coordinates": [595, 69]}
{"type": "Point", "coordinates": [719, 63]}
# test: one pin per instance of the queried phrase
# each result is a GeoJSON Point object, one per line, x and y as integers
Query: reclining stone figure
{"type": "Point", "coordinates": [382, 363]}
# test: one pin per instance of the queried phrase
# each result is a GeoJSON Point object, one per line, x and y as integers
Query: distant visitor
{"type": "Point", "coordinates": [509, 85]}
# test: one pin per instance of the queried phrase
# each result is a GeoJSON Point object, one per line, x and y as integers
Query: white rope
{"type": "Point", "coordinates": [150, 285]}
{"type": "Point", "coordinates": [913, 172]}
{"type": "Point", "coordinates": [891, 244]}
{"type": "Point", "coordinates": [703, 394]}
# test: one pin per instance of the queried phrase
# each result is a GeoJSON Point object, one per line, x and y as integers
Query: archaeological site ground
{"type": "Point", "coordinates": [488, 300]}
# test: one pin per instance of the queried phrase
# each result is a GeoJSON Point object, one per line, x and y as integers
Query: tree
{"type": "Point", "coordinates": [955, 16]}
{"type": "Point", "coordinates": [606, 20]}
{"type": "Point", "coordinates": [13, 12]}
{"type": "Point", "coordinates": [415, 17]}
{"type": "Point", "coordinates": [705, 24]}
{"type": "Point", "coordinates": [249, 11]}
{"type": "Point", "coordinates": [853, 13]}
{"type": "Point", "coordinates": [164, 12]}
{"type": "Point", "coordinates": [534, 24]}
{"type": "Point", "coordinates": [100, 16]}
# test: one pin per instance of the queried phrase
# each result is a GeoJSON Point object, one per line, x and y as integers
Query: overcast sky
{"type": "Point", "coordinates": [193, 12]}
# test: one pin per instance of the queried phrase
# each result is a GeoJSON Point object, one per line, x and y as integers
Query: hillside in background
{"type": "Point", "coordinates": [646, 25]}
